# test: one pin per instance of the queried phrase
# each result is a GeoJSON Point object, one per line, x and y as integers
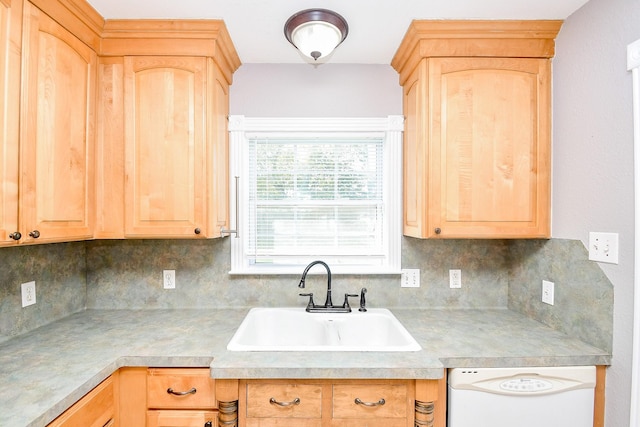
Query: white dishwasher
{"type": "Point", "coordinates": [521, 397]}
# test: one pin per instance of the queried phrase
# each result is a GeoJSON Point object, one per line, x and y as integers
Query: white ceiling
{"type": "Point", "coordinates": [376, 27]}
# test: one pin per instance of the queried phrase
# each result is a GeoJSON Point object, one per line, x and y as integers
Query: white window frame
{"type": "Point", "coordinates": [633, 65]}
{"type": "Point", "coordinates": [390, 128]}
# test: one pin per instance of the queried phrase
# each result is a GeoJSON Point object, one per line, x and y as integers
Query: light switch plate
{"type": "Point", "coordinates": [603, 247]}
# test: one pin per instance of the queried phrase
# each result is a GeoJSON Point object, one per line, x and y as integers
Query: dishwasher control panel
{"type": "Point", "coordinates": [526, 385]}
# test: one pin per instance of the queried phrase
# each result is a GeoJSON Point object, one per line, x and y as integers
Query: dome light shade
{"type": "Point", "coordinates": [316, 32]}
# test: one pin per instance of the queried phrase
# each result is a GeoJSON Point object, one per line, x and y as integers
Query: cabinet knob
{"type": "Point", "coordinates": [197, 231]}
{"type": "Point", "coordinates": [16, 235]}
{"type": "Point", "coordinates": [438, 230]}
{"type": "Point", "coordinates": [35, 234]}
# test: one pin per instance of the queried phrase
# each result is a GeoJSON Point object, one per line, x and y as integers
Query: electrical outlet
{"type": "Point", "coordinates": [169, 279]}
{"type": "Point", "coordinates": [603, 247]}
{"type": "Point", "coordinates": [547, 292]}
{"type": "Point", "coordinates": [455, 279]}
{"type": "Point", "coordinates": [28, 293]}
{"type": "Point", "coordinates": [410, 278]}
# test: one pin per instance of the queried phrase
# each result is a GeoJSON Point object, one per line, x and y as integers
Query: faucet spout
{"type": "Point", "coordinates": [328, 303]}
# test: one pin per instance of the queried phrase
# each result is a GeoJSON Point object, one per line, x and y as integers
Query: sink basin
{"type": "Point", "coordinates": [293, 329]}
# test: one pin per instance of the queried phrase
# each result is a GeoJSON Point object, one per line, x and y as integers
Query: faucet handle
{"type": "Point", "coordinates": [310, 304]}
{"type": "Point", "coordinates": [363, 303]}
{"type": "Point", "coordinates": [346, 300]}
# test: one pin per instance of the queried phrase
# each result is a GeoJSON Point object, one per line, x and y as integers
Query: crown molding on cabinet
{"type": "Point", "coordinates": [470, 38]}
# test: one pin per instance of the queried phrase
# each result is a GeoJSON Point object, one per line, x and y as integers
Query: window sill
{"type": "Point", "coordinates": [297, 270]}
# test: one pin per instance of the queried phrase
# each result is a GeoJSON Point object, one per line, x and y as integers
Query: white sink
{"type": "Point", "coordinates": [293, 329]}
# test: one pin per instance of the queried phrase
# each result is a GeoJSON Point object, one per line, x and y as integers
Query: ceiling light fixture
{"type": "Point", "coordinates": [316, 32]}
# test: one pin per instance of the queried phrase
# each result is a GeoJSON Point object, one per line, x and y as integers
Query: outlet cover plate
{"type": "Point", "coordinates": [28, 293]}
{"type": "Point", "coordinates": [455, 279]}
{"type": "Point", "coordinates": [603, 247]}
{"type": "Point", "coordinates": [410, 278]}
{"type": "Point", "coordinates": [548, 292]}
{"type": "Point", "coordinates": [169, 279]}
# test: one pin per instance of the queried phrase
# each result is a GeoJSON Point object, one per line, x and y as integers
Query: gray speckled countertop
{"type": "Point", "coordinates": [45, 371]}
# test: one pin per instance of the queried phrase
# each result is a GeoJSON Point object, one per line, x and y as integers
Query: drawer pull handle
{"type": "Point", "coordinates": [181, 393]}
{"type": "Point", "coordinates": [295, 401]}
{"type": "Point", "coordinates": [370, 404]}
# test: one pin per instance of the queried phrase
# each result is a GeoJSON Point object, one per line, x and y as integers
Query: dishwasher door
{"type": "Point", "coordinates": [521, 397]}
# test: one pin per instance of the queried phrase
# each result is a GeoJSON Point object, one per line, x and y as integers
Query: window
{"type": "Point", "coordinates": [310, 189]}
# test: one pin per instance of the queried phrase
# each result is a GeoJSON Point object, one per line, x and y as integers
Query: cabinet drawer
{"type": "Point", "coordinates": [394, 395]}
{"type": "Point", "coordinates": [259, 400]}
{"type": "Point", "coordinates": [187, 388]}
{"type": "Point", "coordinates": [181, 418]}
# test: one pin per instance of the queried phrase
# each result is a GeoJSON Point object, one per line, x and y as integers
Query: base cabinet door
{"type": "Point", "coordinates": [96, 409]}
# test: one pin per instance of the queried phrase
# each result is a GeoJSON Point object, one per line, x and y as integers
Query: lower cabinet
{"type": "Point", "coordinates": [343, 403]}
{"type": "Point", "coordinates": [175, 397]}
{"type": "Point", "coordinates": [189, 397]}
{"type": "Point", "coordinates": [180, 398]}
{"type": "Point", "coordinates": [96, 409]}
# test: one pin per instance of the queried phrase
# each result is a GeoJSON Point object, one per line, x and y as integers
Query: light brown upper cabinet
{"type": "Point", "coordinates": [10, 41]}
{"type": "Point", "coordinates": [56, 132]}
{"type": "Point", "coordinates": [477, 142]}
{"type": "Point", "coordinates": [163, 141]}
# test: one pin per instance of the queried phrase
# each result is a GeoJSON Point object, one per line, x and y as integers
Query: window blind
{"type": "Point", "coordinates": [314, 197]}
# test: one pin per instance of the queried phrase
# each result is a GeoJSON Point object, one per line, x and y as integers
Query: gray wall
{"type": "Point", "coordinates": [593, 158]}
{"type": "Point", "coordinates": [303, 90]}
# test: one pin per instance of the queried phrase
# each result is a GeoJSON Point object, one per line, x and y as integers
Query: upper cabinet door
{"type": "Point", "coordinates": [490, 147]}
{"type": "Point", "coordinates": [218, 149]}
{"type": "Point", "coordinates": [57, 128]}
{"type": "Point", "coordinates": [10, 25]}
{"type": "Point", "coordinates": [165, 137]}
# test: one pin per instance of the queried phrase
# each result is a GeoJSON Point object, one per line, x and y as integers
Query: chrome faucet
{"type": "Point", "coordinates": [328, 306]}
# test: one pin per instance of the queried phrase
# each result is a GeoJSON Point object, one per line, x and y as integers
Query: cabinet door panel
{"type": "Point", "coordinates": [9, 117]}
{"type": "Point", "coordinates": [58, 135]}
{"type": "Point", "coordinates": [164, 146]}
{"type": "Point", "coordinates": [218, 147]}
{"type": "Point", "coordinates": [415, 153]}
{"type": "Point", "coordinates": [96, 409]}
{"type": "Point", "coordinates": [490, 146]}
